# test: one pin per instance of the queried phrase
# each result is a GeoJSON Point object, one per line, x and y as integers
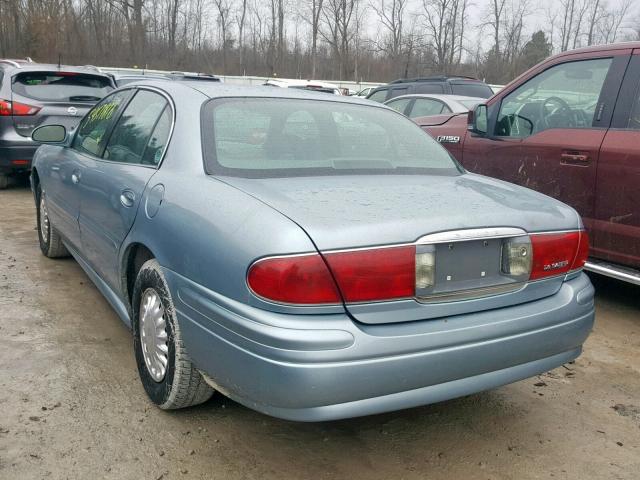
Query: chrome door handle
{"type": "Point", "coordinates": [75, 178]}
{"type": "Point", "coordinates": [127, 198]}
{"type": "Point", "coordinates": [574, 158]}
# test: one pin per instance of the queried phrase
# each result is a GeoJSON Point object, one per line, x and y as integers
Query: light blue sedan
{"type": "Point", "coordinates": [311, 257]}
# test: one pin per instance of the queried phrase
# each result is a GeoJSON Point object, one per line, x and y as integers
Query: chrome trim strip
{"type": "Point", "coordinates": [626, 275]}
{"type": "Point", "coordinates": [471, 234]}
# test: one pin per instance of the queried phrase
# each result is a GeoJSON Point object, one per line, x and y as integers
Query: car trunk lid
{"type": "Point", "coordinates": [345, 214]}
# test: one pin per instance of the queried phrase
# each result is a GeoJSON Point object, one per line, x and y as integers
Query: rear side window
{"type": "Point", "coordinates": [95, 126]}
{"type": "Point", "coordinates": [262, 137]}
{"type": "Point", "coordinates": [424, 107]}
{"type": "Point", "coordinates": [399, 105]}
{"type": "Point", "coordinates": [379, 96]}
{"type": "Point", "coordinates": [134, 128]}
{"type": "Point", "coordinates": [472, 90]}
{"type": "Point", "coordinates": [428, 88]}
{"type": "Point", "coordinates": [61, 86]}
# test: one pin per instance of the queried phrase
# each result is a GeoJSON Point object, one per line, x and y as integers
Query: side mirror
{"type": "Point", "coordinates": [55, 134]}
{"type": "Point", "coordinates": [477, 120]}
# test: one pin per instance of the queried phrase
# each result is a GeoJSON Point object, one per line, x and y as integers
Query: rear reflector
{"type": "Point", "coordinates": [375, 274]}
{"type": "Point", "coordinates": [20, 162]}
{"type": "Point", "coordinates": [8, 108]}
{"type": "Point", "coordinates": [558, 253]}
{"type": "Point", "coordinates": [298, 279]}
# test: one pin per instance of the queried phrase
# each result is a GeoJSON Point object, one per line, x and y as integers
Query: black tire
{"type": "Point", "coordinates": [50, 240]}
{"type": "Point", "coordinates": [182, 384]}
{"type": "Point", "coordinates": [4, 181]}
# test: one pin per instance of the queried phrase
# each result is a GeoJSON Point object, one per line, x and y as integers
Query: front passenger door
{"type": "Point", "coordinates": [113, 182]}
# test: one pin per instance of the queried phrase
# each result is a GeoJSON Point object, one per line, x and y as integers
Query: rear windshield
{"type": "Point", "coordinates": [480, 90]}
{"type": "Point", "coordinates": [61, 86]}
{"type": "Point", "coordinates": [269, 137]}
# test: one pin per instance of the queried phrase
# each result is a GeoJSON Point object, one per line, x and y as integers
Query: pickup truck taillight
{"type": "Point", "coordinates": [396, 272]}
{"type": "Point", "coordinates": [8, 108]}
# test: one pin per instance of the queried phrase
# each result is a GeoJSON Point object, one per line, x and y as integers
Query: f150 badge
{"type": "Point", "coordinates": [448, 139]}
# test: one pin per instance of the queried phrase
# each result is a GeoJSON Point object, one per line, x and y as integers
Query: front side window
{"type": "Point", "coordinates": [564, 96]}
{"type": "Point", "coordinates": [634, 119]}
{"type": "Point", "coordinates": [268, 137]}
{"type": "Point", "coordinates": [94, 127]}
{"type": "Point", "coordinates": [424, 107]}
{"type": "Point", "coordinates": [133, 130]}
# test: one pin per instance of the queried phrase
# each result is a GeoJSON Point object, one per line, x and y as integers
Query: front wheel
{"type": "Point", "coordinates": [168, 376]}
{"type": "Point", "coordinates": [50, 240]}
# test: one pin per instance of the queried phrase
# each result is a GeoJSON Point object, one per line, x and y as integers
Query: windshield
{"type": "Point", "coordinates": [269, 137]}
{"type": "Point", "coordinates": [61, 86]}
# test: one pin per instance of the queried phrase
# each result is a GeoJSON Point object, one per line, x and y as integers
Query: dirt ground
{"type": "Point", "coordinates": [71, 405]}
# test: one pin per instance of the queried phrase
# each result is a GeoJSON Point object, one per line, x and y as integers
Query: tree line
{"type": "Point", "coordinates": [359, 40]}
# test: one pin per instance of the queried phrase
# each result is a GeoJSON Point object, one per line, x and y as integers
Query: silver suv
{"type": "Point", "coordinates": [33, 94]}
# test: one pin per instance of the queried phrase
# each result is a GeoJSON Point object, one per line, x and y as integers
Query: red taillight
{"type": "Point", "coordinates": [583, 251]}
{"type": "Point", "coordinates": [17, 109]}
{"type": "Point", "coordinates": [375, 274]}
{"type": "Point", "coordinates": [5, 108]}
{"type": "Point", "coordinates": [558, 253]}
{"type": "Point", "coordinates": [362, 276]}
{"type": "Point", "coordinates": [298, 279]}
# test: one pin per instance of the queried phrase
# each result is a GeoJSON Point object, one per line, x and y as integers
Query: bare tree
{"type": "Point", "coordinates": [444, 22]}
{"type": "Point", "coordinates": [223, 9]}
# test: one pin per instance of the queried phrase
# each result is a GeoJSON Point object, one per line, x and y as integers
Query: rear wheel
{"type": "Point", "coordinates": [168, 376]}
{"type": "Point", "coordinates": [4, 181]}
{"type": "Point", "coordinates": [50, 240]}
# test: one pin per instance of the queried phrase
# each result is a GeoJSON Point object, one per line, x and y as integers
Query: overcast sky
{"type": "Point", "coordinates": [537, 19]}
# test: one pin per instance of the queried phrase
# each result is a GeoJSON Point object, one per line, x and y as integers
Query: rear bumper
{"type": "Point", "coordinates": [325, 367]}
{"type": "Point", "coordinates": [16, 158]}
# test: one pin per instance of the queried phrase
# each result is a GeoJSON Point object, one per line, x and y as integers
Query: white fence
{"type": "Point", "coordinates": [252, 80]}
{"type": "Point", "coordinates": [243, 80]}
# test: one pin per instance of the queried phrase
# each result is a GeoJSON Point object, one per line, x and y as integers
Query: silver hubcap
{"type": "Point", "coordinates": [44, 219]}
{"type": "Point", "coordinates": [153, 335]}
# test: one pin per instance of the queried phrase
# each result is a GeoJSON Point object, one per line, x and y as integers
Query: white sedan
{"type": "Point", "coordinates": [425, 105]}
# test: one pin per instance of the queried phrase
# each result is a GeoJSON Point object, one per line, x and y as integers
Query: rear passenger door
{"type": "Point", "coordinates": [615, 230]}
{"type": "Point", "coordinates": [114, 179]}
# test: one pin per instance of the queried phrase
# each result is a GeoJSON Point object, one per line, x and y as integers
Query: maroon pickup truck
{"type": "Point", "coordinates": [570, 128]}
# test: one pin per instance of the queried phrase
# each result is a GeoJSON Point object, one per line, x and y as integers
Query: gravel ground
{"type": "Point", "coordinates": [71, 405]}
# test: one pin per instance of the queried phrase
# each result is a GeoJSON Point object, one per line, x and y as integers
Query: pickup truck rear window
{"type": "Point", "coordinates": [61, 86]}
{"type": "Point", "coordinates": [277, 137]}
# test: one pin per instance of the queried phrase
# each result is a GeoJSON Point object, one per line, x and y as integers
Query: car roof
{"type": "Point", "coordinates": [600, 48]}
{"type": "Point", "coordinates": [51, 67]}
{"type": "Point", "coordinates": [438, 96]}
{"type": "Point", "coordinates": [223, 90]}
{"type": "Point", "coordinates": [300, 83]}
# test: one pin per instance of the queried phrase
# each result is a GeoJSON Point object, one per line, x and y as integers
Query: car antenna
{"type": "Point", "coordinates": [59, 61]}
